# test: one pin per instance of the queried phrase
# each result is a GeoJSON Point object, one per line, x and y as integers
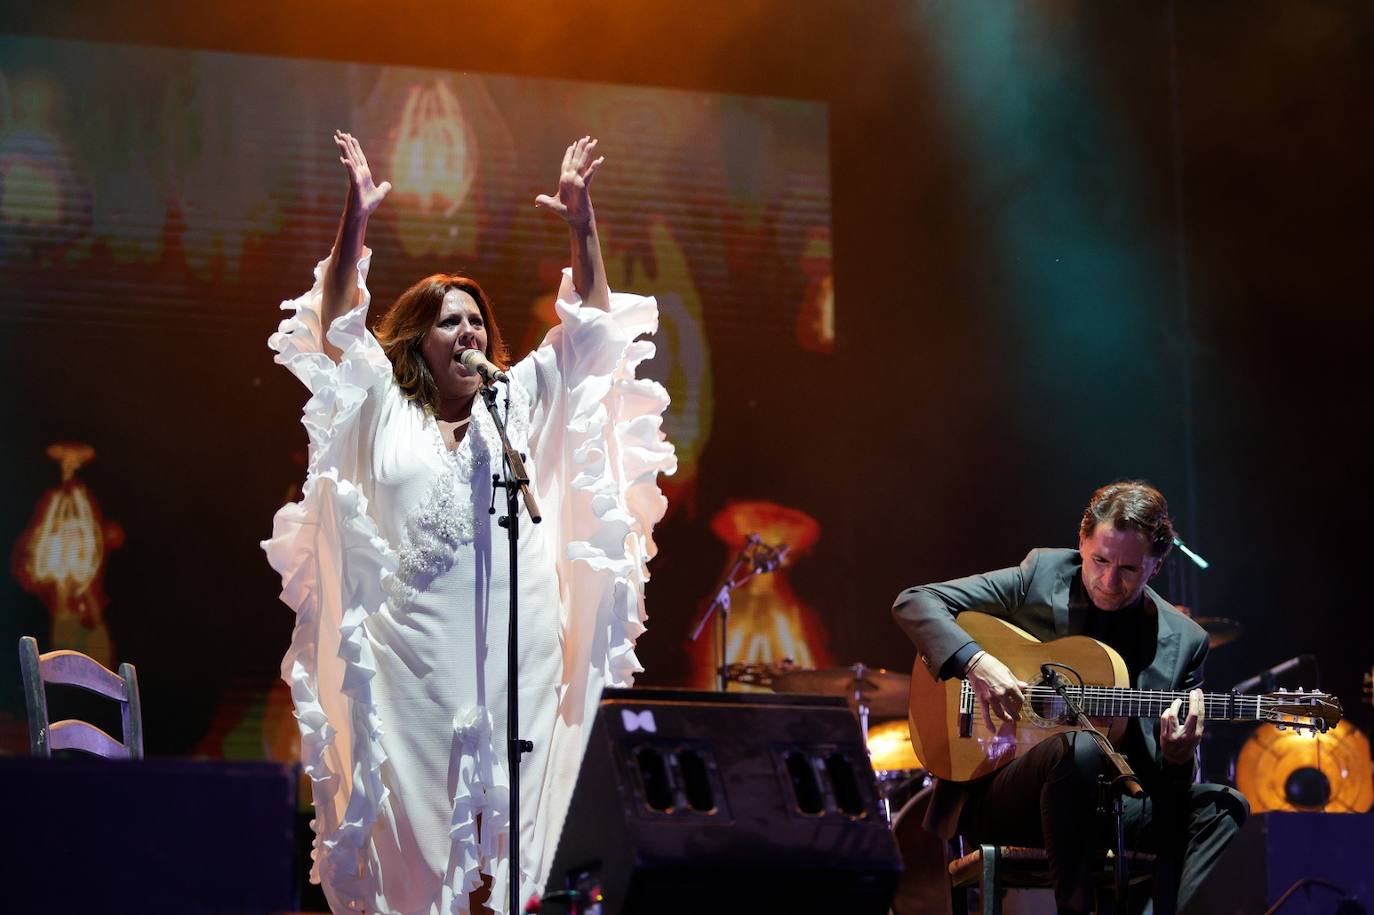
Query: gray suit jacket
{"type": "Point", "coordinates": [1035, 597]}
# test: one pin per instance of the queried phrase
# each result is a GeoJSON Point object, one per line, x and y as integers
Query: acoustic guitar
{"type": "Point", "coordinates": [953, 740]}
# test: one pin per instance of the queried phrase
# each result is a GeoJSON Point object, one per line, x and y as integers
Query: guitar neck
{"type": "Point", "coordinates": [1123, 702]}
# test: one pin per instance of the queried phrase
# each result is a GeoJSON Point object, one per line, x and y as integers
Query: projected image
{"type": "Point", "coordinates": [60, 558]}
{"type": "Point", "coordinates": [156, 206]}
{"type": "Point", "coordinates": [770, 626]}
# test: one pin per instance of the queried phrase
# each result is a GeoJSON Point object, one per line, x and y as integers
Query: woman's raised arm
{"type": "Point", "coordinates": [574, 205]}
{"type": "Point", "coordinates": [340, 292]}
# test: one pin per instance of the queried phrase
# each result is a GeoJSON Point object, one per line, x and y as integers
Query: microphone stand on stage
{"type": "Point", "coordinates": [761, 558]}
{"type": "Point", "coordinates": [1264, 682]}
{"type": "Point", "coordinates": [517, 487]}
{"type": "Point", "coordinates": [1110, 790]}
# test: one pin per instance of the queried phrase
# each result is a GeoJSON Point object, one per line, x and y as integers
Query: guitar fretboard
{"type": "Point", "coordinates": [1123, 702]}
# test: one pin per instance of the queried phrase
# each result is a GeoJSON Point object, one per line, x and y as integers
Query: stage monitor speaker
{"type": "Point", "coordinates": [725, 802]}
{"type": "Point", "coordinates": [191, 837]}
{"type": "Point", "coordinates": [1274, 851]}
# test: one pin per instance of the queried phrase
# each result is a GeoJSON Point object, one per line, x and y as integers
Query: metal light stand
{"type": "Point", "coordinates": [517, 487]}
{"type": "Point", "coordinates": [1125, 781]}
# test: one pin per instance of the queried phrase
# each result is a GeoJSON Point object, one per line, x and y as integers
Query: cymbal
{"type": "Point", "coordinates": [751, 674]}
{"type": "Point", "coordinates": [1220, 630]}
{"type": "Point", "coordinates": [885, 692]}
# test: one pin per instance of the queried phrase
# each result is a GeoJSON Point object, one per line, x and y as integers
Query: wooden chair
{"type": "Point", "coordinates": [994, 868]}
{"type": "Point", "coordinates": [76, 669]}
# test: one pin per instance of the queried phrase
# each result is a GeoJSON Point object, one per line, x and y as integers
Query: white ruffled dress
{"type": "Point", "coordinates": [399, 580]}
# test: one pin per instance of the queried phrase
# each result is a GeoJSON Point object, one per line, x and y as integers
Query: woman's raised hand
{"type": "Point", "coordinates": [362, 190]}
{"type": "Point", "coordinates": [340, 289]}
{"type": "Point", "coordinates": [574, 202]}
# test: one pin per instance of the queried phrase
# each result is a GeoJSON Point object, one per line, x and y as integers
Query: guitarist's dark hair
{"type": "Point", "coordinates": [1131, 504]}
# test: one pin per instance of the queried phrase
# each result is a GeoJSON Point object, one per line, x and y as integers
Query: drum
{"type": "Point", "coordinates": [899, 772]}
{"type": "Point", "coordinates": [889, 746]}
{"type": "Point", "coordinates": [1305, 772]}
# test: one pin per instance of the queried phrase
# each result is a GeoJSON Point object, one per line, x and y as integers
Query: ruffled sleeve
{"type": "Point", "coordinates": [335, 568]}
{"type": "Point", "coordinates": [596, 436]}
{"type": "Point", "coordinates": [299, 345]}
{"type": "Point", "coordinates": [598, 447]}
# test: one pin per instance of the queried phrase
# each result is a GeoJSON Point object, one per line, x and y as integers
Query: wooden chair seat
{"type": "Point", "coordinates": [1020, 866]}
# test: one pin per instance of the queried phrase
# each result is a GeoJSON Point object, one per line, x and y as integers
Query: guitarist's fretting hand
{"type": "Point", "coordinates": [1179, 742]}
{"type": "Point", "coordinates": [999, 692]}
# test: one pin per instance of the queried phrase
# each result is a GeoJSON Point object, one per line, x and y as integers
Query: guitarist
{"type": "Point", "coordinates": [1048, 797]}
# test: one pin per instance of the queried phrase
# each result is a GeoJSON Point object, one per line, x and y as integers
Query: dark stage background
{"type": "Point", "coordinates": [1072, 242]}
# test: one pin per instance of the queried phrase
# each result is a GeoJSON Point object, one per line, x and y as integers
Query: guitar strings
{"type": "Point", "coordinates": [1215, 705]}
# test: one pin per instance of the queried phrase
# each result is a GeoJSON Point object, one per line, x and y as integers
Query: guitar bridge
{"type": "Point", "coordinates": [967, 701]}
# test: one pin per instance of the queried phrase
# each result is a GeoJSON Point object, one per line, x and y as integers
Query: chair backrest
{"type": "Point", "coordinates": [76, 669]}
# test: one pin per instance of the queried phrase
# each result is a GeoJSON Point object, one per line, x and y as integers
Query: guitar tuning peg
{"type": "Point", "coordinates": [1280, 726]}
{"type": "Point", "coordinates": [1300, 689]}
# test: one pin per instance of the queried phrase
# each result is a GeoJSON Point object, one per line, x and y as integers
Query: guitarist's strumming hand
{"type": "Point", "coordinates": [1177, 741]}
{"type": "Point", "coordinates": [999, 692]}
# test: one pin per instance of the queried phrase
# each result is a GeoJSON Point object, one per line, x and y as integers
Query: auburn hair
{"type": "Point", "coordinates": [1131, 505]}
{"type": "Point", "coordinates": [401, 331]}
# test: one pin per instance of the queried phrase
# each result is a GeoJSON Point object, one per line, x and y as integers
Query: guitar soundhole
{"type": "Point", "coordinates": [1044, 707]}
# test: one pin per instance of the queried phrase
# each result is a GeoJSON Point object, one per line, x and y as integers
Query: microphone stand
{"type": "Point", "coordinates": [761, 558]}
{"type": "Point", "coordinates": [1265, 681]}
{"type": "Point", "coordinates": [517, 486]}
{"type": "Point", "coordinates": [721, 602]}
{"type": "Point", "coordinates": [1125, 782]}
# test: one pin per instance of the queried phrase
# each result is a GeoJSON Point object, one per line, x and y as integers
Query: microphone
{"type": "Point", "coordinates": [474, 360]}
{"type": "Point", "coordinates": [768, 558]}
{"type": "Point", "coordinates": [1266, 680]}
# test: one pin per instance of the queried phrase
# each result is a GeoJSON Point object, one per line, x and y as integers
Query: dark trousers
{"type": "Point", "coordinates": [1049, 798]}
